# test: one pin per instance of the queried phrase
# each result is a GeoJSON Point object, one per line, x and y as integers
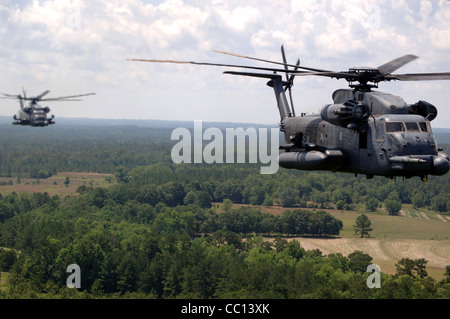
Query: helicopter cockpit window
{"type": "Point", "coordinates": [392, 127]}
{"type": "Point", "coordinates": [424, 127]}
{"type": "Point", "coordinates": [412, 127]}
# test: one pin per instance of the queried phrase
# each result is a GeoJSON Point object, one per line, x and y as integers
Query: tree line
{"type": "Point", "coordinates": [288, 188]}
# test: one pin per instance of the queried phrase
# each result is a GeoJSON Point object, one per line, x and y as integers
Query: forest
{"type": "Point", "coordinates": [158, 232]}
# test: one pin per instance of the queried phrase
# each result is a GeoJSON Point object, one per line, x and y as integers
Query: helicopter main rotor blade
{"type": "Point", "coordinates": [62, 100]}
{"type": "Point", "coordinates": [420, 76]}
{"type": "Point", "coordinates": [268, 61]}
{"type": "Point", "coordinates": [217, 64]}
{"type": "Point", "coordinates": [39, 97]}
{"type": "Point", "coordinates": [255, 75]}
{"type": "Point", "coordinates": [67, 98]}
{"type": "Point", "coordinates": [10, 96]}
{"type": "Point", "coordinates": [395, 64]}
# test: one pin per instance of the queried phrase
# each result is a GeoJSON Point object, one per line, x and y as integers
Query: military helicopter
{"type": "Point", "coordinates": [363, 131]}
{"type": "Point", "coordinates": [34, 114]}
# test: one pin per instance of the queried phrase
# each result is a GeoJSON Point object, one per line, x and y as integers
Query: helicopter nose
{"type": "Point", "coordinates": [441, 165]}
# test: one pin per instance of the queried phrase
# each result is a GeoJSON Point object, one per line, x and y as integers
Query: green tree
{"type": "Point", "coordinates": [67, 181]}
{"type": "Point", "coordinates": [227, 204]}
{"type": "Point", "coordinates": [341, 205]}
{"type": "Point", "coordinates": [172, 193]}
{"type": "Point", "coordinates": [393, 206]}
{"type": "Point", "coordinates": [418, 200]}
{"type": "Point", "coordinates": [359, 261]}
{"type": "Point", "coordinates": [412, 267]}
{"type": "Point", "coordinates": [189, 198]}
{"type": "Point", "coordinates": [6, 211]}
{"type": "Point", "coordinates": [288, 197]}
{"type": "Point", "coordinates": [268, 200]}
{"type": "Point", "coordinates": [420, 267]}
{"type": "Point", "coordinates": [7, 259]}
{"type": "Point", "coordinates": [372, 204]}
{"type": "Point", "coordinates": [362, 225]}
{"type": "Point", "coordinates": [439, 203]}
{"type": "Point", "coordinates": [319, 197]}
{"type": "Point", "coordinates": [148, 194]}
{"type": "Point", "coordinates": [294, 249]}
{"type": "Point", "coordinates": [447, 275]}
{"type": "Point", "coordinates": [203, 199]}
{"type": "Point", "coordinates": [122, 175]}
{"type": "Point", "coordinates": [279, 244]}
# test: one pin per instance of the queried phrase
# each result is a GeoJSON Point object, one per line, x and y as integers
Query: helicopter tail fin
{"type": "Point", "coordinates": [276, 83]}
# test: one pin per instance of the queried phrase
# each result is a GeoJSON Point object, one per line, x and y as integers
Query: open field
{"type": "Point", "coordinates": [393, 238]}
{"type": "Point", "coordinates": [54, 185]}
{"type": "Point", "coordinates": [387, 252]}
{"type": "Point", "coordinates": [408, 235]}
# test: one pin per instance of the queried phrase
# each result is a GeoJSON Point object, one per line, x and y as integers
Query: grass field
{"type": "Point", "coordinates": [54, 185]}
{"type": "Point", "coordinates": [412, 234]}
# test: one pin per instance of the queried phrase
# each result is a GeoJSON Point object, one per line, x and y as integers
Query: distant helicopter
{"type": "Point", "coordinates": [34, 114]}
{"type": "Point", "coordinates": [362, 131]}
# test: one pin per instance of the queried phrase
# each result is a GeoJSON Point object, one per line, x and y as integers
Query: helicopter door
{"type": "Point", "coordinates": [363, 140]}
{"type": "Point", "coordinates": [363, 150]}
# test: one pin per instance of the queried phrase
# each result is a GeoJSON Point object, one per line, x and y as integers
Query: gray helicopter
{"type": "Point", "coordinates": [363, 131]}
{"type": "Point", "coordinates": [34, 114]}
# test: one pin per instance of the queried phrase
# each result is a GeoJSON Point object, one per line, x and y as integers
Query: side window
{"type": "Point", "coordinates": [380, 130]}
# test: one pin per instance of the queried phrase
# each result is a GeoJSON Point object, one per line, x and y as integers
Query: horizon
{"type": "Point", "coordinates": [4, 119]}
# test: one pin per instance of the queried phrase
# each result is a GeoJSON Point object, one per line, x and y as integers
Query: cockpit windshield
{"type": "Point", "coordinates": [393, 127]}
{"type": "Point", "coordinates": [412, 127]}
{"type": "Point", "coordinates": [39, 115]}
{"type": "Point", "coordinates": [425, 127]}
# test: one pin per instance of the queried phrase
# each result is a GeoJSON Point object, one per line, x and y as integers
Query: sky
{"type": "Point", "coordinates": [74, 47]}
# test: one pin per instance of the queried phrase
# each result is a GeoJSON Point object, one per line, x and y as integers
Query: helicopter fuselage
{"type": "Point", "coordinates": [33, 116]}
{"type": "Point", "coordinates": [390, 142]}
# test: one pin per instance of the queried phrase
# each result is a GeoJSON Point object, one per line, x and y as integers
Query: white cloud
{"type": "Point", "coordinates": [81, 46]}
{"type": "Point", "coordinates": [239, 18]}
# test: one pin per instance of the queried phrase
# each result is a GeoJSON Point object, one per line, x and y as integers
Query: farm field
{"type": "Point", "coordinates": [54, 185]}
{"type": "Point", "coordinates": [394, 238]}
{"type": "Point", "coordinates": [412, 234]}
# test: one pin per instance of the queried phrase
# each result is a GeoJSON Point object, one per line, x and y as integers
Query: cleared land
{"type": "Point", "coordinates": [408, 235]}
{"type": "Point", "coordinates": [54, 185]}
